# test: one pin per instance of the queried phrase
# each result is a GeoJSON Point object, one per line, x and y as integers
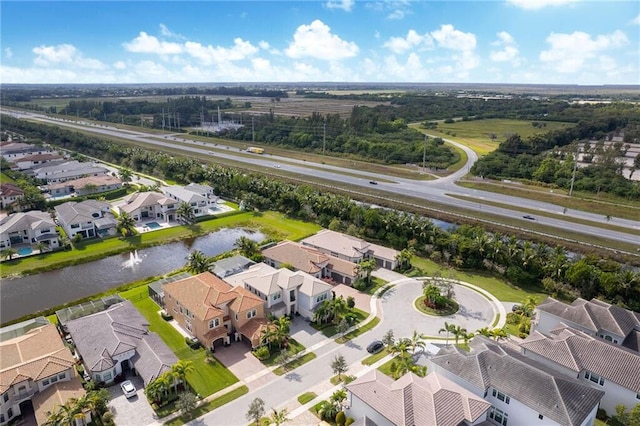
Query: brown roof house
{"type": "Point", "coordinates": [9, 195]}
{"type": "Point", "coordinates": [212, 310]}
{"type": "Point", "coordinates": [352, 248]}
{"type": "Point", "coordinates": [413, 401]}
{"type": "Point", "coordinates": [34, 366]}
{"type": "Point", "coordinates": [604, 365]}
{"type": "Point", "coordinates": [144, 206]}
{"type": "Point", "coordinates": [312, 261]}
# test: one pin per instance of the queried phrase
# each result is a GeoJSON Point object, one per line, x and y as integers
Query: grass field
{"type": "Point", "coordinates": [6, 179]}
{"type": "Point", "coordinates": [476, 133]}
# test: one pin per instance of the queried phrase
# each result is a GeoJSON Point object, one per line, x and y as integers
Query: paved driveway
{"type": "Point", "coordinates": [238, 358]}
{"type": "Point", "coordinates": [134, 411]}
{"type": "Point", "coordinates": [363, 300]}
{"type": "Point", "coordinates": [304, 334]}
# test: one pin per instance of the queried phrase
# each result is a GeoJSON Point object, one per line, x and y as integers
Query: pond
{"type": "Point", "coordinates": [25, 295]}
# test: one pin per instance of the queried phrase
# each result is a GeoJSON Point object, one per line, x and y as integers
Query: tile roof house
{"type": "Point", "coordinates": [601, 364]}
{"type": "Point", "coordinates": [412, 400]}
{"type": "Point", "coordinates": [26, 228]}
{"type": "Point", "coordinates": [36, 160]}
{"type": "Point", "coordinates": [53, 397]}
{"type": "Point", "coordinates": [352, 248]}
{"type": "Point", "coordinates": [13, 151]}
{"type": "Point", "coordinates": [85, 185]}
{"type": "Point", "coordinates": [116, 340]}
{"type": "Point", "coordinates": [143, 206]}
{"type": "Point", "coordinates": [88, 218]}
{"type": "Point", "coordinates": [285, 292]}
{"type": "Point", "coordinates": [312, 261]}
{"type": "Point", "coordinates": [9, 195]}
{"type": "Point", "coordinates": [199, 197]}
{"type": "Point", "coordinates": [520, 390]}
{"type": "Point", "coordinates": [68, 170]}
{"type": "Point", "coordinates": [33, 362]}
{"type": "Point", "coordinates": [594, 317]}
{"type": "Point", "coordinates": [212, 310]}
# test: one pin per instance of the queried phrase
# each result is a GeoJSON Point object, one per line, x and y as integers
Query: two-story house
{"type": "Point", "coordinates": [84, 186]}
{"type": "Point", "coordinates": [312, 261]}
{"type": "Point", "coordinates": [199, 197]}
{"type": "Point", "coordinates": [212, 310]}
{"type": "Point", "coordinates": [352, 248]}
{"type": "Point", "coordinates": [117, 340]}
{"type": "Point", "coordinates": [13, 151]}
{"type": "Point", "coordinates": [411, 400]}
{"type": "Point", "coordinates": [88, 218]}
{"type": "Point", "coordinates": [594, 317]}
{"type": "Point", "coordinates": [521, 391]}
{"type": "Point", "coordinates": [27, 228]}
{"type": "Point", "coordinates": [594, 361]}
{"type": "Point", "coordinates": [145, 206]}
{"type": "Point", "coordinates": [36, 160]}
{"type": "Point", "coordinates": [32, 366]}
{"type": "Point", "coordinates": [10, 194]}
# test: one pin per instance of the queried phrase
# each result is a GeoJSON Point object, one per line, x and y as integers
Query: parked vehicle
{"type": "Point", "coordinates": [375, 347]}
{"type": "Point", "coordinates": [128, 389]}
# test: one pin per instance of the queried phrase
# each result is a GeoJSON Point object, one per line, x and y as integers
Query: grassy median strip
{"type": "Point", "coordinates": [294, 364]}
{"type": "Point", "coordinates": [372, 359]}
{"type": "Point", "coordinates": [306, 397]}
{"type": "Point", "coordinates": [358, 331]}
{"type": "Point", "coordinates": [209, 406]}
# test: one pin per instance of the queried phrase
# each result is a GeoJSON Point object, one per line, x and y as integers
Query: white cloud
{"type": "Point", "coordinates": [316, 41]}
{"type": "Point", "coordinates": [569, 52]}
{"type": "Point", "coordinates": [209, 54]}
{"type": "Point", "coordinates": [396, 15]}
{"type": "Point", "coordinates": [120, 65]}
{"type": "Point", "coordinates": [166, 32]}
{"type": "Point", "coordinates": [400, 45]}
{"type": "Point", "coordinates": [146, 43]}
{"type": "Point", "coordinates": [508, 52]}
{"type": "Point", "coordinates": [64, 54]}
{"type": "Point", "coordinates": [264, 45]}
{"type": "Point", "coordinates": [8, 53]}
{"type": "Point", "coordinates": [345, 5]}
{"type": "Point", "coordinates": [450, 38]}
{"type": "Point", "coordinates": [538, 4]}
{"type": "Point", "coordinates": [395, 9]}
{"type": "Point", "coordinates": [637, 20]}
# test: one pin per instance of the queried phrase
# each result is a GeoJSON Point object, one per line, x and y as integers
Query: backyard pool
{"type": "Point", "coordinates": [24, 251]}
{"type": "Point", "coordinates": [153, 225]}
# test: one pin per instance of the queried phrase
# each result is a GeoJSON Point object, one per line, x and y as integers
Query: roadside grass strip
{"type": "Point", "coordinates": [372, 359]}
{"type": "Point", "coordinates": [209, 406]}
{"type": "Point", "coordinates": [306, 397]}
{"type": "Point", "coordinates": [294, 364]}
{"type": "Point", "coordinates": [359, 331]}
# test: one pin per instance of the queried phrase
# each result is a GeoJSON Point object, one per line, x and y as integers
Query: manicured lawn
{"type": "Point", "coordinates": [294, 347]}
{"type": "Point", "coordinates": [209, 406]}
{"type": "Point", "coordinates": [205, 379]}
{"type": "Point", "coordinates": [306, 397]}
{"type": "Point", "coordinates": [6, 179]}
{"type": "Point", "coordinates": [329, 330]}
{"type": "Point", "coordinates": [386, 367]}
{"type": "Point", "coordinates": [500, 288]}
{"type": "Point", "coordinates": [376, 283]}
{"type": "Point", "coordinates": [294, 364]}
{"type": "Point", "coordinates": [359, 331]}
{"type": "Point", "coordinates": [372, 359]}
{"type": "Point", "coordinates": [451, 309]}
{"type": "Point", "coordinates": [273, 224]}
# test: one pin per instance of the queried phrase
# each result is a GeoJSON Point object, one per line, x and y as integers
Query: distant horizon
{"type": "Point", "coordinates": [504, 42]}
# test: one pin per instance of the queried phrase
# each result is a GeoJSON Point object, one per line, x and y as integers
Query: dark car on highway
{"type": "Point", "coordinates": [529, 217]}
{"type": "Point", "coordinates": [375, 347]}
{"type": "Point", "coordinates": [373, 182]}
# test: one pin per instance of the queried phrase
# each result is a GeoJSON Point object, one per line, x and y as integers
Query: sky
{"type": "Point", "coordinates": [494, 41]}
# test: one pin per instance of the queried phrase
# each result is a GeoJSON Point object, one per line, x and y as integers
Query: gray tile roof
{"type": "Point", "coordinates": [578, 351]}
{"type": "Point", "coordinates": [561, 398]}
{"type": "Point", "coordinates": [73, 212]}
{"type": "Point", "coordinates": [412, 400]}
{"type": "Point", "coordinates": [102, 336]}
{"type": "Point", "coordinates": [33, 219]}
{"type": "Point", "coordinates": [231, 265]}
{"type": "Point", "coordinates": [594, 315]}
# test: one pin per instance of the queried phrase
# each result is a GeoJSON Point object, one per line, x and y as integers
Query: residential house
{"type": "Point", "coordinates": [284, 292]}
{"type": "Point", "coordinates": [53, 397]}
{"type": "Point", "coordinates": [26, 228]}
{"type": "Point", "coordinates": [199, 197]}
{"type": "Point", "coordinates": [352, 248]}
{"type": "Point", "coordinates": [36, 160]}
{"type": "Point", "coordinates": [594, 317]}
{"type": "Point", "coordinates": [85, 186]}
{"type": "Point", "coordinates": [230, 266]}
{"type": "Point", "coordinates": [521, 391]}
{"type": "Point", "coordinates": [599, 363]}
{"type": "Point", "coordinates": [68, 170]}
{"type": "Point", "coordinates": [411, 400]}
{"type": "Point", "coordinates": [117, 340]}
{"type": "Point", "coordinates": [212, 310]}
{"type": "Point", "coordinates": [88, 218]}
{"type": "Point", "coordinates": [312, 261]}
{"type": "Point", "coordinates": [33, 365]}
{"type": "Point", "coordinates": [10, 194]}
{"type": "Point", "coordinates": [145, 206]}
{"type": "Point", "coordinates": [14, 151]}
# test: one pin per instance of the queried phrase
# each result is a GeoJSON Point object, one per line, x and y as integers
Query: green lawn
{"type": "Point", "coordinates": [205, 379]}
{"type": "Point", "coordinates": [501, 289]}
{"type": "Point", "coordinates": [329, 330]}
{"type": "Point", "coordinates": [209, 406]}
{"type": "Point", "coordinates": [6, 179]}
{"type": "Point", "coordinates": [294, 364]}
{"type": "Point", "coordinates": [306, 397]}
{"type": "Point", "coordinates": [359, 331]}
{"type": "Point", "coordinates": [386, 367]}
{"type": "Point", "coordinates": [272, 224]}
{"type": "Point", "coordinates": [376, 283]}
{"type": "Point", "coordinates": [372, 359]}
{"type": "Point", "coordinates": [294, 347]}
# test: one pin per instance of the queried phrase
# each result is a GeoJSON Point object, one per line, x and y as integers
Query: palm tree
{"type": "Point", "coordinates": [498, 333]}
{"type": "Point", "coordinates": [366, 266]}
{"type": "Point", "coordinates": [417, 342]}
{"type": "Point", "coordinates": [401, 348]}
{"type": "Point", "coordinates": [448, 328]}
{"type": "Point", "coordinates": [268, 335]}
{"type": "Point", "coordinates": [8, 253]}
{"type": "Point", "coordinates": [281, 333]}
{"type": "Point", "coordinates": [484, 331]}
{"type": "Point", "coordinates": [126, 224]}
{"type": "Point", "coordinates": [279, 417]}
{"type": "Point", "coordinates": [458, 332]}
{"type": "Point", "coordinates": [180, 369]}
{"type": "Point", "coordinates": [198, 262]}
{"type": "Point", "coordinates": [247, 246]}
{"type": "Point", "coordinates": [528, 305]}
{"type": "Point", "coordinates": [185, 212]}
{"type": "Point", "coordinates": [41, 247]}
{"type": "Point", "coordinates": [467, 336]}
{"type": "Point", "coordinates": [125, 175]}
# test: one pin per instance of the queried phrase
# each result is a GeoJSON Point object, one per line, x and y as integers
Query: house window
{"type": "Point", "coordinates": [277, 296]}
{"type": "Point", "coordinates": [214, 323]}
{"type": "Point", "coordinates": [107, 376]}
{"type": "Point", "coordinates": [638, 396]}
{"type": "Point", "coordinates": [608, 338]}
{"type": "Point", "coordinates": [5, 397]}
{"type": "Point", "coordinates": [54, 379]}
{"type": "Point", "coordinates": [251, 314]}
{"type": "Point", "coordinates": [2, 419]}
{"type": "Point", "coordinates": [540, 416]}
{"type": "Point", "coordinates": [594, 378]}
{"type": "Point", "coordinates": [75, 226]}
{"type": "Point", "coordinates": [10, 412]}
{"type": "Point", "coordinates": [98, 378]}
{"type": "Point", "coordinates": [502, 397]}
{"type": "Point", "coordinates": [499, 416]}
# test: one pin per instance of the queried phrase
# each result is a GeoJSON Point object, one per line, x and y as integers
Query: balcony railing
{"type": "Point", "coordinates": [23, 395]}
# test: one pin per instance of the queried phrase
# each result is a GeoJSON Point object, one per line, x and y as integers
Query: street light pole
{"type": "Point", "coordinates": [575, 166]}
{"type": "Point", "coordinates": [424, 153]}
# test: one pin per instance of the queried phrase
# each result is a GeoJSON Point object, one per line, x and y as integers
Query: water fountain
{"type": "Point", "coordinates": [134, 259]}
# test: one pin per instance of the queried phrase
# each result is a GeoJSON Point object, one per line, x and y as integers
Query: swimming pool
{"type": "Point", "coordinates": [153, 225]}
{"type": "Point", "coordinates": [24, 251]}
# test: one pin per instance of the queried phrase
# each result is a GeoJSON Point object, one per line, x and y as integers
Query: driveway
{"type": "Point", "coordinates": [362, 300]}
{"type": "Point", "coordinates": [134, 411]}
{"type": "Point", "coordinates": [304, 334]}
{"type": "Point", "coordinates": [238, 358]}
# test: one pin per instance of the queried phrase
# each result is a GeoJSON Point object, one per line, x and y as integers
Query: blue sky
{"type": "Point", "coordinates": [510, 41]}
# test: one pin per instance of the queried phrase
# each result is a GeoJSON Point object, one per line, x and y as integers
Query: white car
{"type": "Point", "coordinates": [128, 389]}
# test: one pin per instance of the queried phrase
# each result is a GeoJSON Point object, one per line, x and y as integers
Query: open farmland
{"type": "Point", "coordinates": [476, 134]}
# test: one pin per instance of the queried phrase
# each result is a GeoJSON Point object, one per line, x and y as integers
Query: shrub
{"type": "Point", "coordinates": [262, 353]}
{"type": "Point", "coordinates": [341, 418]}
{"type": "Point", "coordinates": [513, 318]}
{"type": "Point", "coordinates": [350, 421]}
{"type": "Point", "coordinates": [601, 414]}
{"type": "Point", "coordinates": [192, 342]}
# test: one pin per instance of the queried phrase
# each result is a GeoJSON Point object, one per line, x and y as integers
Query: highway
{"type": "Point", "coordinates": [440, 190]}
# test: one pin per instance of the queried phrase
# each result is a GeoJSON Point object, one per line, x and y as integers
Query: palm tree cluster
{"type": "Point", "coordinates": [364, 267]}
{"type": "Point", "coordinates": [277, 333]}
{"type": "Point", "coordinates": [198, 262]}
{"type": "Point", "coordinates": [249, 248]}
{"type": "Point", "coordinates": [126, 224]}
{"type": "Point", "coordinates": [457, 331]}
{"type": "Point", "coordinates": [329, 409]}
{"type": "Point", "coordinates": [168, 383]}
{"type": "Point", "coordinates": [186, 212]}
{"type": "Point", "coordinates": [94, 401]}
{"type": "Point", "coordinates": [434, 299]}
{"type": "Point", "coordinates": [334, 311]}
{"type": "Point", "coordinates": [404, 350]}
{"type": "Point", "coordinates": [404, 257]}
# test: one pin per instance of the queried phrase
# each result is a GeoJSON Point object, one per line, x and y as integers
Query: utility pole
{"type": "Point", "coordinates": [253, 129]}
{"type": "Point", "coordinates": [575, 166]}
{"type": "Point", "coordinates": [324, 136]}
{"type": "Point", "coordinates": [163, 119]}
{"type": "Point", "coordinates": [424, 153]}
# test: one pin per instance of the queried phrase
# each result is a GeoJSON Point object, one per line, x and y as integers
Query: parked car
{"type": "Point", "coordinates": [128, 389]}
{"type": "Point", "coordinates": [515, 308]}
{"type": "Point", "coordinates": [375, 347]}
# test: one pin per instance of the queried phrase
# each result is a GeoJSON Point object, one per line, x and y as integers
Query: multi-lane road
{"type": "Point", "coordinates": [443, 191]}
